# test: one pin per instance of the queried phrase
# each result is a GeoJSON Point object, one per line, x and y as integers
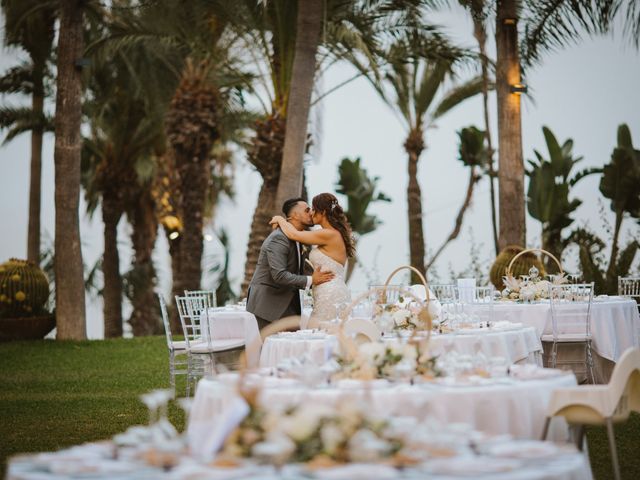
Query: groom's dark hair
{"type": "Point", "coordinates": [289, 204]}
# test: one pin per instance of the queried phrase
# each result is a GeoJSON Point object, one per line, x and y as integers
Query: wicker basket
{"type": "Point", "coordinates": [533, 250]}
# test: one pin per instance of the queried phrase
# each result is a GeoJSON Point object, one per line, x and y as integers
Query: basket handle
{"type": "Point", "coordinates": [418, 273]}
{"type": "Point", "coordinates": [533, 250]}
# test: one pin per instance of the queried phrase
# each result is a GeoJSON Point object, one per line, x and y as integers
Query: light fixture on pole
{"type": "Point", "coordinates": [518, 88]}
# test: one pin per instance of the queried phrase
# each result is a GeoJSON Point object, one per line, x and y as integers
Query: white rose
{"type": "Point", "coordinates": [331, 436]}
{"type": "Point", "coordinates": [303, 422]}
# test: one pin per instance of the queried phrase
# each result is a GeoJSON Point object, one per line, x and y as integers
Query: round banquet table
{"type": "Point", "coordinates": [615, 323]}
{"type": "Point", "coordinates": [515, 344]}
{"type": "Point", "coordinates": [318, 346]}
{"type": "Point", "coordinates": [494, 406]}
{"type": "Point", "coordinates": [95, 461]}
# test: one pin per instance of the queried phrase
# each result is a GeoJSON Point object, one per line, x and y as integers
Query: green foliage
{"type": "Point", "coordinates": [550, 181]}
{"type": "Point", "coordinates": [24, 289]}
{"type": "Point", "coordinates": [620, 181]}
{"type": "Point", "coordinates": [360, 190]}
{"type": "Point", "coordinates": [472, 150]}
{"type": "Point", "coordinates": [591, 253]}
{"type": "Point", "coordinates": [548, 194]}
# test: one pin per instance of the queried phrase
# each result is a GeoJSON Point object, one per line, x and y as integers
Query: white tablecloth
{"type": "Point", "coordinates": [615, 323]}
{"type": "Point", "coordinates": [516, 407]}
{"type": "Point", "coordinates": [516, 345]}
{"type": "Point", "coordinates": [276, 348]}
{"type": "Point", "coordinates": [95, 461]}
{"type": "Point", "coordinates": [237, 323]}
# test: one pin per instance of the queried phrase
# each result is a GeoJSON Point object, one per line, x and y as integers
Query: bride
{"type": "Point", "coordinates": [334, 246]}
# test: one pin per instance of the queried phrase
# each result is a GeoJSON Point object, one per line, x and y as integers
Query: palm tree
{"type": "Point", "coordinates": [196, 78]}
{"type": "Point", "coordinates": [192, 127]}
{"type": "Point", "coordinates": [308, 25]}
{"type": "Point", "coordinates": [35, 34]}
{"type": "Point", "coordinates": [360, 190]}
{"type": "Point", "coordinates": [126, 132]}
{"type": "Point", "coordinates": [70, 305]}
{"type": "Point", "coordinates": [413, 85]}
{"type": "Point", "coordinates": [510, 160]}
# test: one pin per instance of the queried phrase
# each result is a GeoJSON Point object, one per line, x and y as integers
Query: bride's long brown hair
{"type": "Point", "coordinates": [328, 204]}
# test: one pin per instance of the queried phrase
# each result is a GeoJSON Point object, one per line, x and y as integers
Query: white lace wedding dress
{"type": "Point", "coordinates": [327, 295]}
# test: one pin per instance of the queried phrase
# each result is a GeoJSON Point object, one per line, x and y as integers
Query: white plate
{"type": "Point", "coordinates": [470, 466]}
{"type": "Point", "coordinates": [524, 449]}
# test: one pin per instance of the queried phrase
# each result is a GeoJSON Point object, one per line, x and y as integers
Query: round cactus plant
{"type": "Point", "coordinates": [24, 289]}
{"type": "Point", "coordinates": [520, 267]}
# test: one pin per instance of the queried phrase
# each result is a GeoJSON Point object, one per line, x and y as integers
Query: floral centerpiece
{"type": "Point", "coordinates": [318, 434]}
{"type": "Point", "coordinates": [386, 360]}
{"type": "Point", "coordinates": [530, 288]}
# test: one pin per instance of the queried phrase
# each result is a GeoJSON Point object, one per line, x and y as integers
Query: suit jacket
{"type": "Point", "coordinates": [276, 279]}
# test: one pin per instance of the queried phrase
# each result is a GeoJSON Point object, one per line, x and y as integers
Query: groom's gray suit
{"type": "Point", "coordinates": [274, 289]}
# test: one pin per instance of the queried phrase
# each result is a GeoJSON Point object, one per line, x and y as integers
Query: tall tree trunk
{"type": "Point", "coordinates": [266, 155]}
{"type": "Point", "coordinates": [194, 192]}
{"type": "Point", "coordinates": [511, 166]}
{"type": "Point", "coordinates": [480, 32]}
{"type": "Point", "coordinates": [145, 318]}
{"type": "Point", "coordinates": [112, 294]}
{"type": "Point", "coordinates": [414, 145]}
{"type": "Point", "coordinates": [35, 181]}
{"type": "Point", "coordinates": [70, 304]}
{"type": "Point", "coordinates": [260, 229]}
{"type": "Point", "coordinates": [613, 259]}
{"type": "Point", "coordinates": [176, 287]}
{"type": "Point", "coordinates": [308, 26]}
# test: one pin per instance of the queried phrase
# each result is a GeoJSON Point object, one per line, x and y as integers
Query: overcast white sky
{"type": "Point", "coordinates": [583, 92]}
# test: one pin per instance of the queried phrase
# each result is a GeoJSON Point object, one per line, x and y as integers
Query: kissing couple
{"type": "Point", "coordinates": [274, 291]}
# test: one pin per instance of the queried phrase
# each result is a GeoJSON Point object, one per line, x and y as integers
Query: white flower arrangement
{"type": "Point", "coordinates": [387, 360]}
{"type": "Point", "coordinates": [319, 434]}
{"type": "Point", "coordinates": [529, 290]}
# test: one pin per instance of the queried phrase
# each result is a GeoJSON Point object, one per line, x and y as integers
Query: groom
{"type": "Point", "coordinates": [274, 289]}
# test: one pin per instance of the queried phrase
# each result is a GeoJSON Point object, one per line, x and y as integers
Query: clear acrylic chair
{"type": "Point", "coordinates": [176, 348]}
{"type": "Point", "coordinates": [446, 293]}
{"type": "Point", "coordinates": [199, 356]}
{"type": "Point", "coordinates": [629, 287]}
{"type": "Point", "coordinates": [209, 295]}
{"type": "Point", "coordinates": [571, 324]}
{"type": "Point", "coordinates": [479, 304]}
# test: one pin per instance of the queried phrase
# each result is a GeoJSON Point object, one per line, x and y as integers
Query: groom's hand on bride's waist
{"type": "Point", "coordinates": [320, 277]}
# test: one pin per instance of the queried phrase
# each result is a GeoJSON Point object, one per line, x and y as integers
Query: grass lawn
{"type": "Point", "coordinates": [56, 394]}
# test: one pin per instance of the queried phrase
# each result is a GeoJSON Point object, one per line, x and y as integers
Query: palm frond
{"type": "Point", "coordinates": [18, 120]}
{"type": "Point", "coordinates": [459, 94]}
{"type": "Point", "coordinates": [551, 24]}
{"type": "Point", "coordinates": [18, 79]}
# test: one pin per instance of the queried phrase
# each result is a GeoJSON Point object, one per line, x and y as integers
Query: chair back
{"type": "Point", "coordinates": [571, 310]}
{"type": "Point", "coordinates": [448, 293]}
{"type": "Point", "coordinates": [165, 322]}
{"type": "Point", "coordinates": [479, 305]}
{"type": "Point", "coordinates": [362, 326]}
{"type": "Point", "coordinates": [209, 295]}
{"type": "Point", "coordinates": [629, 287]}
{"type": "Point", "coordinates": [190, 318]}
{"type": "Point", "coordinates": [624, 385]}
